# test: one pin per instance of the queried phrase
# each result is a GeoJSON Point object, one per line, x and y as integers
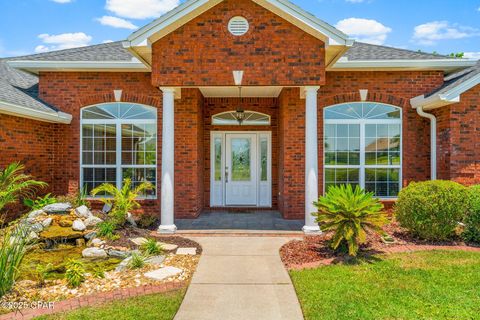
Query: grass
{"type": "Point", "coordinates": [421, 285]}
{"type": "Point", "coordinates": [162, 306]}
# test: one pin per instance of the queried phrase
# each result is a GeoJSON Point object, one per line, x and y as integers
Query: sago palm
{"type": "Point", "coordinates": [349, 213]}
{"type": "Point", "coordinates": [14, 184]}
{"type": "Point", "coordinates": [122, 200]}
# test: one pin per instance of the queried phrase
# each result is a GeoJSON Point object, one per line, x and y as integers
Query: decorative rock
{"type": "Point", "coordinates": [32, 236]}
{"type": "Point", "coordinates": [55, 233]}
{"type": "Point", "coordinates": [167, 246]}
{"type": "Point", "coordinates": [78, 225]}
{"type": "Point", "coordinates": [131, 220]}
{"type": "Point", "coordinates": [94, 253]}
{"type": "Point", "coordinates": [106, 208]}
{"type": "Point", "coordinates": [123, 265]}
{"type": "Point", "coordinates": [65, 222]}
{"type": "Point", "coordinates": [58, 208]}
{"type": "Point", "coordinates": [47, 222]}
{"type": "Point", "coordinates": [155, 260]}
{"type": "Point", "coordinates": [34, 214]}
{"type": "Point", "coordinates": [37, 227]}
{"type": "Point", "coordinates": [187, 251]}
{"type": "Point", "coordinates": [80, 242]}
{"type": "Point", "coordinates": [97, 242]}
{"type": "Point", "coordinates": [138, 241]}
{"type": "Point", "coordinates": [92, 221]}
{"type": "Point", "coordinates": [117, 253]}
{"type": "Point", "coordinates": [163, 273]}
{"type": "Point", "coordinates": [90, 235]}
{"type": "Point", "coordinates": [83, 212]}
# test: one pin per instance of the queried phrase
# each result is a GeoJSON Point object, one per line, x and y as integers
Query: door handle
{"type": "Point", "coordinates": [226, 174]}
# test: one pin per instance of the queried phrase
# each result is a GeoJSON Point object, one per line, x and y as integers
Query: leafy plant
{"type": "Point", "coordinates": [42, 271]}
{"type": "Point", "coordinates": [13, 247]}
{"type": "Point", "coordinates": [14, 183]}
{"type": "Point", "coordinates": [151, 247]}
{"type": "Point", "coordinates": [75, 273]}
{"type": "Point", "coordinates": [76, 199]}
{"type": "Point", "coordinates": [106, 229]}
{"type": "Point", "coordinates": [98, 272]}
{"type": "Point", "coordinates": [349, 213]}
{"type": "Point", "coordinates": [40, 202]}
{"type": "Point", "coordinates": [137, 261]}
{"type": "Point", "coordinates": [122, 200]}
{"type": "Point", "coordinates": [471, 221]}
{"type": "Point", "coordinates": [432, 210]}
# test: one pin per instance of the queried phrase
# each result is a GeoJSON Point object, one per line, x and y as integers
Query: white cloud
{"type": "Point", "coordinates": [364, 30]}
{"type": "Point", "coordinates": [107, 41]}
{"type": "Point", "coordinates": [472, 55]}
{"type": "Point", "coordinates": [431, 32]}
{"type": "Point", "coordinates": [62, 1]}
{"type": "Point", "coordinates": [116, 22]}
{"type": "Point", "coordinates": [140, 9]}
{"type": "Point", "coordinates": [62, 41]}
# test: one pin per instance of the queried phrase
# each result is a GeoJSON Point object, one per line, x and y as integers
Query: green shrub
{"type": "Point", "coordinates": [151, 247]}
{"type": "Point", "coordinates": [98, 272]}
{"type": "Point", "coordinates": [13, 247]}
{"type": "Point", "coordinates": [40, 202]}
{"type": "Point", "coordinates": [349, 213]}
{"type": "Point", "coordinates": [75, 273]}
{"type": "Point", "coordinates": [106, 229]}
{"type": "Point", "coordinates": [432, 210]}
{"type": "Point", "coordinates": [42, 271]}
{"type": "Point", "coordinates": [76, 199]}
{"type": "Point", "coordinates": [472, 219]}
{"type": "Point", "coordinates": [137, 261]}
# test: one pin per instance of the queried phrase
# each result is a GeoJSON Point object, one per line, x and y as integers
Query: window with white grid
{"type": "Point", "coordinates": [363, 146]}
{"type": "Point", "coordinates": [118, 141]}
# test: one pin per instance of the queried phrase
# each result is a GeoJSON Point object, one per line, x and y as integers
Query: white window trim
{"type": "Point", "coordinates": [119, 166]}
{"type": "Point", "coordinates": [363, 166]}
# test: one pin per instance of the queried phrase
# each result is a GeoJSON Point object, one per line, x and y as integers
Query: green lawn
{"type": "Point", "coordinates": [156, 307]}
{"type": "Point", "coordinates": [422, 285]}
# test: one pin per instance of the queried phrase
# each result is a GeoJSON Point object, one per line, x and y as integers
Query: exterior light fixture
{"type": "Point", "coordinates": [240, 112]}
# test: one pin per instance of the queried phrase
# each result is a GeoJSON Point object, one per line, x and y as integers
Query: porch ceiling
{"type": "Point", "coordinates": [247, 92]}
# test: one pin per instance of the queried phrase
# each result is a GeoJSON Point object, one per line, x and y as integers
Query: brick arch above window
{"type": "Point", "coordinates": [126, 98]}
{"type": "Point", "coordinates": [377, 97]}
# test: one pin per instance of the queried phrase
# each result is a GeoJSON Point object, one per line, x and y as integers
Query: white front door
{"type": "Point", "coordinates": [241, 169]}
{"type": "Point", "coordinates": [241, 173]}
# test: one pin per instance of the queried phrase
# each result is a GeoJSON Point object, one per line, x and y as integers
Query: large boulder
{"type": "Point", "coordinates": [57, 233]}
{"type": "Point", "coordinates": [78, 225]}
{"type": "Point", "coordinates": [62, 207]}
{"type": "Point", "coordinates": [83, 212]}
{"type": "Point", "coordinates": [94, 253]}
{"type": "Point", "coordinates": [92, 221]}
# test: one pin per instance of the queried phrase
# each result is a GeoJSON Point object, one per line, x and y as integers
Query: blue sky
{"type": "Point", "coordinates": [444, 26]}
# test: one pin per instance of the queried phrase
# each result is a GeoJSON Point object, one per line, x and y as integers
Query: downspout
{"type": "Point", "coordinates": [433, 140]}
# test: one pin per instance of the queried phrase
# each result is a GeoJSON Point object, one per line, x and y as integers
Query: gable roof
{"type": "Point", "coordinates": [366, 51]}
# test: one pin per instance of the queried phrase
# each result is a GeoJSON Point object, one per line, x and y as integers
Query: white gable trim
{"type": "Point", "coordinates": [23, 112]}
{"type": "Point", "coordinates": [193, 8]}
{"type": "Point", "coordinates": [36, 66]}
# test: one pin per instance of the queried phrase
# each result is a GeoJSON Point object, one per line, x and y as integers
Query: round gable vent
{"type": "Point", "coordinates": [238, 26]}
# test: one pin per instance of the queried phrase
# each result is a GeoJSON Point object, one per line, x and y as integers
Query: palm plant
{"type": "Point", "coordinates": [14, 183]}
{"type": "Point", "coordinates": [122, 200]}
{"type": "Point", "coordinates": [349, 213]}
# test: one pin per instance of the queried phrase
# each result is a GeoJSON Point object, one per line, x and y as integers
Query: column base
{"type": "Point", "coordinates": [167, 229]}
{"type": "Point", "coordinates": [311, 230]}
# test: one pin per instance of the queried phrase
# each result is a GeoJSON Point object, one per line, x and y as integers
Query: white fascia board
{"type": "Point", "coordinates": [440, 64]}
{"type": "Point", "coordinates": [23, 112]}
{"type": "Point", "coordinates": [461, 88]}
{"type": "Point", "coordinates": [108, 66]}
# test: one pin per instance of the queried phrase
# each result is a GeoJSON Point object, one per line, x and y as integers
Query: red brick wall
{"type": "Point", "coordinates": [32, 144]}
{"type": "Point", "coordinates": [459, 139]}
{"type": "Point", "coordinates": [204, 53]}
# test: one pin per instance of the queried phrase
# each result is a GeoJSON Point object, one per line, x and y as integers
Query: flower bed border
{"type": "Point", "coordinates": [94, 300]}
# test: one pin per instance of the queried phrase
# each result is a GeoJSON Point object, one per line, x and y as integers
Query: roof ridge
{"type": "Point", "coordinates": [405, 50]}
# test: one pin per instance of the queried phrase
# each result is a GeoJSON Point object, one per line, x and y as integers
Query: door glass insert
{"type": "Point", "coordinates": [263, 159]}
{"type": "Point", "coordinates": [241, 170]}
{"type": "Point", "coordinates": [218, 159]}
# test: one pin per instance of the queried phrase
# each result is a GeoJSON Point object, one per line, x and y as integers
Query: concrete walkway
{"type": "Point", "coordinates": [240, 278]}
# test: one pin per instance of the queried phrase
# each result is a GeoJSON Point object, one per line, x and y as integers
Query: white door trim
{"type": "Point", "coordinates": [218, 187]}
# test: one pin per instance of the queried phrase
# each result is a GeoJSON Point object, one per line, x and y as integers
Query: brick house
{"type": "Point", "coordinates": [240, 104]}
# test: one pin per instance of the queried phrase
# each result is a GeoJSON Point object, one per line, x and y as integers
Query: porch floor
{"type": "Point", "coordinates": [254, 221]}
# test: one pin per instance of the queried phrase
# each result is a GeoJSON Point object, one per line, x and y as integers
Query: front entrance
{"type": "Point", "coordinates": [241, 169]}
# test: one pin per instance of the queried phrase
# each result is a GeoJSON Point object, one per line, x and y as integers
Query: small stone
{"type": "Point", "coordinates": [47, 222]}
{"type": "Point", "coordinates": [117, 253]}
{"type": "Point", "coordinates": [34, 214]}
{"type": "Point", "coordinates": [78, 225]}
{"type": "Point", "coordinates": [187, 251]}
{"type": "Point", "coordinates": [131, 220]}
{"type": "Point", "coordinates": [97, 242]}
{"type": "Point", "coordinates": [80, 242]}
{"type": "Point", "coordinates": [65, 222]}
{"type": "Point", "coordinates": [33, 236]}
{"type": "Point", "coordinates": [106, 208]}
{"type": "Point", "coordinates": [92, 221]}
{"type": "Point", "coordinates": [155, 260]}
{"type": "Point", "coordinates": [139, 241]}
{"type": "Point", "coordinates": [163, 273]}
{"type": "Point", "coordinates": [90, 235]}
{"type": "Point", "coordinates": [123, 265]}
{"type": "Point", "coordinates": [94, 253]}
{"type": "Point", "coordinates": [167, 246]}
{"type": "Point", "coordinates": [83, 212]}
{"type": "Point", "coordinates": [37, 227]}
{"type": "Point", "coordinates": [58, 208]}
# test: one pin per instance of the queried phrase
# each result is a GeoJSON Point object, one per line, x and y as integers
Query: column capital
{"type": "Point", "coordinates": [308, 90]}
{"type": "Point", "coordinates": [167, 89]}
{"type": "Point", "coordinates": [177, 91]}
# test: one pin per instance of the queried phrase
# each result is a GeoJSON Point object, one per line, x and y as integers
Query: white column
{"type": "Point", "coordinates": [168, 162]}
{"type": "Point", "coordinates": [311, 159]}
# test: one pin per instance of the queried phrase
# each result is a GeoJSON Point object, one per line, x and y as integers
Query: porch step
{"type": "Point", "coordinates": [240, 233]}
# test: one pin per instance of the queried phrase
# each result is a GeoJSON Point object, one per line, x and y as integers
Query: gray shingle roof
{"type": "Point", "coordinates": [456, 79]}
{"type": "Point", "coordinates": [363, 51]}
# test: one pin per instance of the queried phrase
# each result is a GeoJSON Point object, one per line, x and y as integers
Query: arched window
{"type": "Point", "coordinates": [118, 141]}
{"type": "Point", "coordinates": [249, 118]}
{"type": "Point", "coordinates": [363, 146]}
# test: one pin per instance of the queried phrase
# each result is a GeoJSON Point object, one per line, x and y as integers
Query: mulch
{"type": "Point", "coordinates": [314, 251]}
